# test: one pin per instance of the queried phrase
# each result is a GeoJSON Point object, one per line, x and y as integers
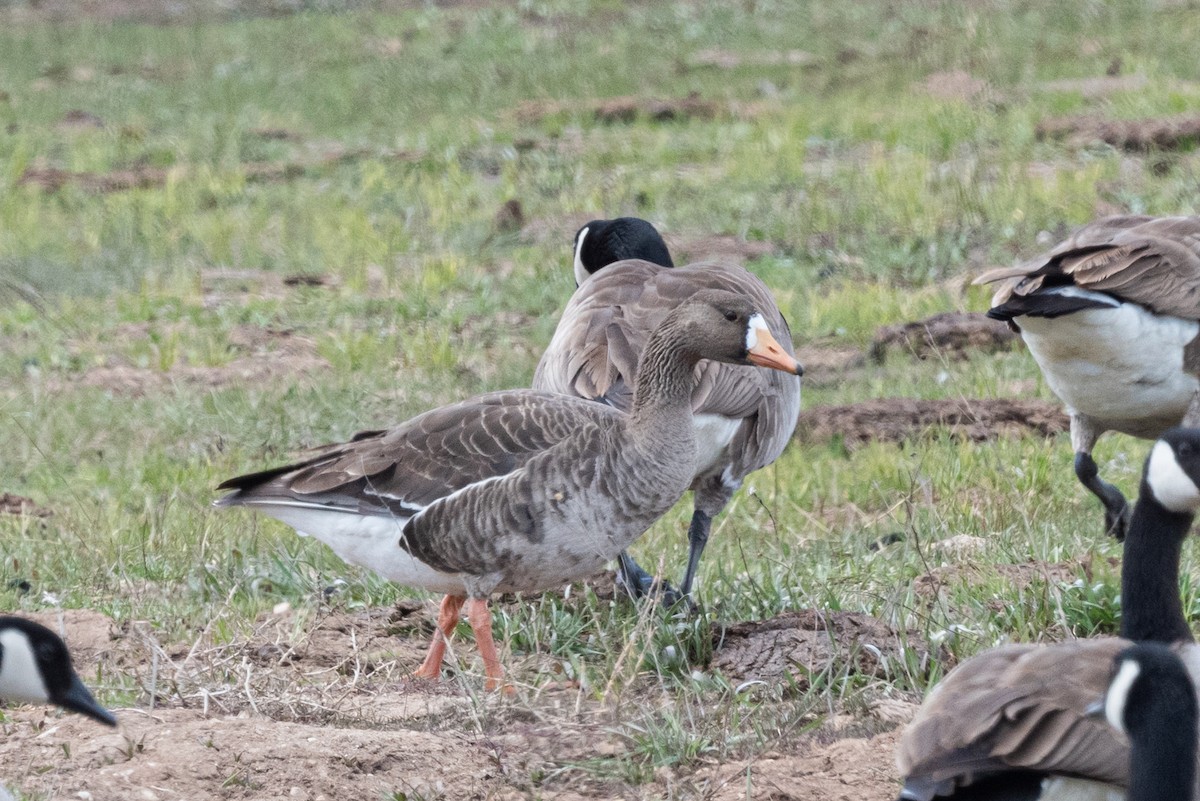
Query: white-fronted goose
{"type": "Point", "coordinates": [1012, 722]}
{"type": "Point", "coordinates": [35, 668]}
{"type": "Point", "coordinates": [1112, 315]}
{"type": "Point", "coordinates": [743, 418]}
{"type": "Point", "coordinates": [515, 491]}
{"type": "Point", "coordinates": [1152, 701]}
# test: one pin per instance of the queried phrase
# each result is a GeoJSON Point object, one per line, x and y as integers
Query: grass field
{"type": "Point", "coordinates": [225, 237]}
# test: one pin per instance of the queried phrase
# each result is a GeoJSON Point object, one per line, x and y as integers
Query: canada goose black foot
{"type": "Point", "coordinates": [640, 584]}
{"type": "Point", "coordinates": [1116, 508]}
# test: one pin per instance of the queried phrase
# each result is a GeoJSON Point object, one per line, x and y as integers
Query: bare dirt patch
{"type": "Point", "coordinates": [1162, 133]}
{"type": "Point", "coordinates": [811, 642]}
{"type": "Point", "coordinates": [11, 504]}
{"type": "Point", "coordinates": [825, 767]}
{"type": "Point", "coordinates": [898, 419]}
{"type": "Point", "coordinates": [950, 334]}
{"type": "Point", "coordinates": [314, 705]}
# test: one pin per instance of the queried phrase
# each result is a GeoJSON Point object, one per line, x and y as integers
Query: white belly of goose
{"type": "Point", "coordinates": [368, 541]}
{"type": "Point", "coordinates": [714, 432]}
{"type": "Point", "coordinates": [1119, 365]}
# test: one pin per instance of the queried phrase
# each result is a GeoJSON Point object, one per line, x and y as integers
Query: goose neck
{"type": "Point", "coordinates": [1151, 609]}
{"type": "Point", "coordinates": [664, 379]}
{"type": "Point", "coordinates": [1163, 760]}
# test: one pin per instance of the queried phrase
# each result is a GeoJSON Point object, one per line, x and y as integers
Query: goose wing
{"type": "Point", "coordinates": [1014, 708]}
{"type": "Point", "coordinates": [402, 470]}
{"type": "Point", "coordinates": [1151, 261]}
{"type": "Point", "coordinates": [595, 350]}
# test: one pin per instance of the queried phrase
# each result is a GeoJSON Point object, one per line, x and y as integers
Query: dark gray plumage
{"type": "Point", "coordinates": [518, 490]}
{"type": "Point", "coordinates": [744, 418]}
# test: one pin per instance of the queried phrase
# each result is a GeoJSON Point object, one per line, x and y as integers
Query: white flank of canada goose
{"type": "Point", "coordinates": [35, 668]}
{"type": "Point", "coordinates": [1013, 722]}
{"type": "Point", "coordinates": [627, 285]}
{"type": "Point", "coordinates": [1111, 315]}
{"type": "Point", "coordinates": [514, 491]}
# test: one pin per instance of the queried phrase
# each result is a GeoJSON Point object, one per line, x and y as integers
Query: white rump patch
{"type": "Point", "coordinates": [1118, 693]}
{"type": "Point", "coordinates": [755, 324]}
{"type": "Point", "coordinates": [1170, 485]}
{"type": "Point", "coordinates": [581, 272]}
{"type": "Point", "coordinates": [20, 677]}
{"type": "Point", "coordinates": [1066, 788]}
{"type": "Point", "coordinates": [1088, 294]}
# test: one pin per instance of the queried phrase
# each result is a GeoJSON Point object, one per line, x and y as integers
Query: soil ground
{"type": "Point", "coordinates": [343, 722]}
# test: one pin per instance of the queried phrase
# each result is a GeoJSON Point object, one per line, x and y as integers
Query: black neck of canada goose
{"type": "Point", "coordinates": [1152, 699]}
{"type": "Point", "coordinates": [1151, 608]}
{"type": "Point", "coordinates": [600, 243]}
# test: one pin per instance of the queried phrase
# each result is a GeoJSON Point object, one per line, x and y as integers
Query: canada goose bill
{"type": "Point", "coordinates": [499, 493]}
{"type": "Point", "coordinates": [1013, 722]}
{"type": "Point", "coordinates": [627, 284]}
{"type": "Point", "coordinates": [35, 667]}
{"type": "Point", "coordinates": [1111, 317]}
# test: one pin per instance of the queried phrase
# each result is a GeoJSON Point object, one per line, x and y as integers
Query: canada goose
{"type": "Point", "coordinates": [1152, 701]}
{"type": "Point", "coordinates": [744, 418]}
{"type": "Point", "coordinates": [1112, 315]}
{"type": "Point", "coordinates": [35, 668]}
{"type": "Point", "coordinates": [1012, 721]}
{"type": "Point", "coordinates": [515, 491]}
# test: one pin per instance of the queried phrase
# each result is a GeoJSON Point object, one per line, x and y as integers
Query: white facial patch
{"type": "Point", "coordinates": [1170, 485]}
{"type": "Point", "coordinates": [1118, 694]}
{"type": "Point", "coordinates": [581, 272]}
{"type": "Point", "coordinates": [20, 677]}
{"type": "Point", "coordinates": [755, 324]}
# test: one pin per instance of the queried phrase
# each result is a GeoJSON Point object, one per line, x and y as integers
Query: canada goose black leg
{"type": "Point", "coordinates": [1116, 508]}
{"type": "Point", "coordinates": [697, 539]}
{"type": "Point", "coordinates": [1084, 433]}
{"type": "Point", "coordinates": [640, 584]}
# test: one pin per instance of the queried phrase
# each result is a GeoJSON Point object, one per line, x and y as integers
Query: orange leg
{"type": "Point", "coordinates": [480, 619]}
{"type": "Point", "coordinates": [431, 668]}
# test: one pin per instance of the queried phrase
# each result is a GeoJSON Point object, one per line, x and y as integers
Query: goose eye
{"type": "Point", "coordinates": [731, 316]}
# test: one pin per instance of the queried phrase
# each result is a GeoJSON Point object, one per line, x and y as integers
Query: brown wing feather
{"type": "Point", "coordinates": [1152, 261]}
{"type": "Point", "coordinates": [426, 458]}
{"type": "Point", "coordinates": [1018, 707]}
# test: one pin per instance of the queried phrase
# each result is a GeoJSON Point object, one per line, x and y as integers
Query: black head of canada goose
{"type": "Point", "coordinates": [1012, 722]}
{"type": "Point", "coordinates": [35, 668]}
{"type": "Point", "coordinates": [1112, 317]}
{"type": "Point", "coordinates": [515, 491]}
{"type": "Point", "coordinates": [743, 418]}
{"type": "Point", "coordinates": [1152, 701]}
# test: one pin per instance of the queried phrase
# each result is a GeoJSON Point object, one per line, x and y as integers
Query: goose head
{"type": "Point", "coordinates": [726, 327]}
{"type": "Point", "coordinates": [35, 667]}
{"type": "Point", "coordinates": [599, 243]}
{"type": "Point", "coordinates": [1173, 470]}
{"type": "Point", "coordinates": [1145, 677]}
